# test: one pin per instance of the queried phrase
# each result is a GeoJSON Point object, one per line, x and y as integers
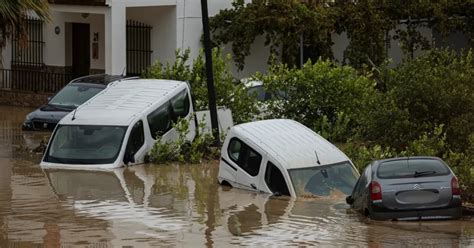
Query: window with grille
{"type": "Point", "coordinates": [29, 53]}
{"type": "Point", "coordinates": [138, 47]}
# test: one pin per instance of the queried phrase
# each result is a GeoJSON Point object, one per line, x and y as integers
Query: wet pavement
{"type": "Point", "coordinates": [176, 205]}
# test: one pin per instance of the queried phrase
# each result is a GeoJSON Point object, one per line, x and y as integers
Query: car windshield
{"type": "Point", "coordinates": [324, 180]}
{"type": "Point", "coordinates": [408, 168]}
{"type": "Point", "coordinates": [262, 95]}
{"type": "Point", "coordinates": [85, 144]}
{"type": "Point", "coordinates": [74, 95]}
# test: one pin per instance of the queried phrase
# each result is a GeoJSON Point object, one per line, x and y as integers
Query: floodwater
{"type": "Point", "coordinates": [176, 205]}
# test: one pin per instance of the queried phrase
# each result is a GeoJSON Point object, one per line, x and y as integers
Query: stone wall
{"type": "Point", "coordinates": [23, 99]}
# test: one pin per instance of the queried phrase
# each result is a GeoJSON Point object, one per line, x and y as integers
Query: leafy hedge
{"type": "Point", "coordinates": [228, 92]}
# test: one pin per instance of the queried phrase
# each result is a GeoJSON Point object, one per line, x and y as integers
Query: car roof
{"type": "Point", "coordinates": [249, 82]}
{"type": "Point", "coordinates": [405, 158]}
{"type": "Point", "coordinates": [123, 102]}
{"type": "Point", "coordinates": [290, 142]}
{"type": "Point", "coordinates": [103, 79]}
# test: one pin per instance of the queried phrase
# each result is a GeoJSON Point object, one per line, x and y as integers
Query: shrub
{"type": "Point", "coordinates": [182, 150]}
{"type": "Point", "coordinates": [228, 93]}
{"type": "Point", "coordinates": [431, 90]}
{"type": "Point", "coordinates": [320, 95]}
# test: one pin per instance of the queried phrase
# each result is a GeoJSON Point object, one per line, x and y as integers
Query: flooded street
{"type": "Point", "coordinates": [175, 205]}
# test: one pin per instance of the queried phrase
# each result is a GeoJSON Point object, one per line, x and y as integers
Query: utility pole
{"type": "Point", "coordinates": [209, 74]}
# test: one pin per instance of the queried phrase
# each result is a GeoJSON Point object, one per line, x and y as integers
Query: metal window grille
{"type": "Point", "coordinates": [138, 47]}
{"type": "Point", "coordinates": [30, 55]}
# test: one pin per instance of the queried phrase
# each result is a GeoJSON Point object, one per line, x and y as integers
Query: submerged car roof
{"type": "Point", "coordinates": [123, 101]}
{"type": "Point", "coordinates": [291, 142]}
{"type": "Point", "coordinates": [102, 79]}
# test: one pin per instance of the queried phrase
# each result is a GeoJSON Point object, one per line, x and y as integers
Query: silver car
{"type": "Point", "coordinates": [407, 188]}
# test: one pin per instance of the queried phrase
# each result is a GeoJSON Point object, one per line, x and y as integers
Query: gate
{"type": "Point", "coordinates": [138, 47]}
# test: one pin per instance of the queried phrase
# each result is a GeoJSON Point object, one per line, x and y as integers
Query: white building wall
{"type": "Point", "coordinates": [163, 33]}
{"type": "Point", "coordinates": [189, 32]}
{"type": "Point", "coordinates": [57, 46]}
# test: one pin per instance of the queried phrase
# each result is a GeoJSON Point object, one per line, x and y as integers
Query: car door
{"type": "Point", "coordinates": [135, 150]}
{"type": "Point", "coordinates": [360, 194]}
{"type": "Point", "coordinates": [274, 180]}
{"type": "Point", "coordinates": [247, 161]}
{"type": "Point", "coordinates": [181, 108]}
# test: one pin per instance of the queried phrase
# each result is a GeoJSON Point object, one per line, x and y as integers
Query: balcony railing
{"type": "Point", "coordinates": [79, 2]}
{"type": "Point", "coordinates": [31, 80]}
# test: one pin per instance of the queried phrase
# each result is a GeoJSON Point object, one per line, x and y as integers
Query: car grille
{"type": "Point", "coordinates": [41, 125]}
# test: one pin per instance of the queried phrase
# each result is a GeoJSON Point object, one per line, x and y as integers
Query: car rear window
{"type": "Point", "coordinates": [412, 168]}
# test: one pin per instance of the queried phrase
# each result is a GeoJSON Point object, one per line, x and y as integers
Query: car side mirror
{"type": "Point", "coordinates": [349, 200]}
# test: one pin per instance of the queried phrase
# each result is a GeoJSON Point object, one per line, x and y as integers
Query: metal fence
{"type": "Point", "coordinates": [31, 53]}
{"type": "Point", "coordinates": [30, 80]}
{"type": "Point", "coordinates": [138, 47]}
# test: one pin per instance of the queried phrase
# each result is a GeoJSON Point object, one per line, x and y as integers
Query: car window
{"type": "Point", "coordinates": [180, 104]}
{"type": "Point", "coordinates": [74, 95]}
{"type": "Point", "coordinates": [275, 180]}
{"type": "Point", "coordinates": [258, 92]}
{"type": "Point", "coordinates": [234, 150]}
{"type": "Point", "coordinates": [136, 139]}
{"type": "Point", "coordinates": [85, 144]}
{"type": "Point", "coordinates": [244, 156]}
{"type": "Point", "coordinates": [411, 168]}
{"type": "Point", "coordinates": [324, 180]}
{"type": "Point", "coordinates": [159, 120]}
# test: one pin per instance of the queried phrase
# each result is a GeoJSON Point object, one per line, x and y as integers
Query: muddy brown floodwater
{"type": "Point", "coordinates": [175, 205]}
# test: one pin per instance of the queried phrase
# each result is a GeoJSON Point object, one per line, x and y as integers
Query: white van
{"type": "Point", "coordinates": [120, 125]}
{"type": "Point", "coordinates": [284, 157]}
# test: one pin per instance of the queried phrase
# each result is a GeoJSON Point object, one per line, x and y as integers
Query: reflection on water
{"type": "Point", "coordinates": [175, 205]}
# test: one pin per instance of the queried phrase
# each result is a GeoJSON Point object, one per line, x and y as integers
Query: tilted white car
{"type": "Point", "coordinates": [284, 157]}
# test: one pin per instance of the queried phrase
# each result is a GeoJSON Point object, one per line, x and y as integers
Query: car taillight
{"type": "Point", "coordinates": [455, 186]}
{"type": "Point", "coordinates": [375, 191]}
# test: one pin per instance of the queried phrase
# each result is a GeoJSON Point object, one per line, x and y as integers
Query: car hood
{"type": "Point", "coordinates": [50, 112]}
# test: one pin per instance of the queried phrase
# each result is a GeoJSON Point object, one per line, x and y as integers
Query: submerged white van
{"type": "Point", "coordinates": [119, 126]}
{"type": "Point", "coordinates": [284, 157]}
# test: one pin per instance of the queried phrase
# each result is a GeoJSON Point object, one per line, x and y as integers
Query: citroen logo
{"type": "Point", "coordinates": [417, 187]}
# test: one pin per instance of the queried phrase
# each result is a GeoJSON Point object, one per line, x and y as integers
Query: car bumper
{"type": "Point", "coordinates": [452, 211]}
{"type": "Point", "coordinates": [39, 125]}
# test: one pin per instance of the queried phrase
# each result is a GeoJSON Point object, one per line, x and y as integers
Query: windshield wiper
{"type": "Point", "coordinates": [424, 173]}
{"type": "Point", "coordinates": [63, 107]}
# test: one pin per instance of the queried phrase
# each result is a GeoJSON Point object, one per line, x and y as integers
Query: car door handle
{"type": "Point", "coordinates": [253, 186]}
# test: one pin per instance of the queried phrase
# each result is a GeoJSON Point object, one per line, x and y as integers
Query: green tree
{"type": "Point", "coordinates": [281, 22]}
{"type": "Point", "coordinates": [13, 14]}
{"type": "Point", "coordinates": [367, 24]}
{"type": "Point", "coordinates": [228, 93]}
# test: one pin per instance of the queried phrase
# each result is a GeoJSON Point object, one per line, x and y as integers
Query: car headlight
{"type": "Point", "coordinates": [28, 118]}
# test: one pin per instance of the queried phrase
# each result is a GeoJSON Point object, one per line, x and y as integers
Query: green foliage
{"type": "Point", "coordinates": [361, 155]}
{"type": "Point", "coordinates": [228, 93]}
{"type": "Point", "coordinates": [367, 23]}
{"type": "Point", "coordinates": [280, 22]}
{"type": "Point", "coordinates": [12, 18]}
{"type": "Point", "coordinates": [323, 96]}
{"type": "Point", "coordinates": [431, 90]}
{"type": "Point", "coordinates": [181, 150]}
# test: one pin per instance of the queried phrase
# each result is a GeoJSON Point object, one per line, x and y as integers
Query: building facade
{"type": "Point", "coordinates": [122, 37]}
{"type": "Point", "coordinates": [109, 36]}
